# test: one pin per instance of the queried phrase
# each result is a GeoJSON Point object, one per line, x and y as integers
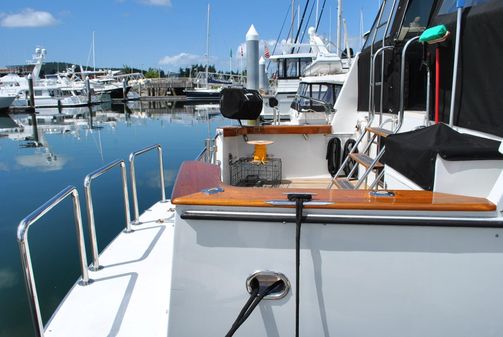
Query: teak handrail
{"type": "Point", "coordinates": [196, 176]}
{"type": "Point", "coordinates": [233, 131]}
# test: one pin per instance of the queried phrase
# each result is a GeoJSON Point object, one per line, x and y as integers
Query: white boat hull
{"type": "Point", "coordinates": [356, 280]}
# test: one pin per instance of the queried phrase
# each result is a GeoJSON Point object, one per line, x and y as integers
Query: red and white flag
{"type": "Point", "coordinates": [267, 53]}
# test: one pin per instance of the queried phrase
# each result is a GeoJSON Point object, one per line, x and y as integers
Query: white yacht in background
{"type": "Point", "coordinates": [315, 99]}
{"type": "Point", "coordinates": [291, 68]}
{"type": "Point", "coordinates": [47, 92]}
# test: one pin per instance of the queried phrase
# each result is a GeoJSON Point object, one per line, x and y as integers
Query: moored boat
{"type": "Point", "coordinates": [254, 242]}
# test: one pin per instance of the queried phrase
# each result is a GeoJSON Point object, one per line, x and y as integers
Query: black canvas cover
{"type": "Point", "coordinates": [479, 99]}
{"type": "Point", "coordinates": [414, 153]}
{"type": "Point", "coordinates": [240, 103]}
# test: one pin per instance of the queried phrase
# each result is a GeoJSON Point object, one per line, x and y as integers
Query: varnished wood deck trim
{"type": "Point", "coordinates": [233, 131]}
{"type": "Point", "coordinates": [195, 176]}
{"type": "Point", "coordinates": [342, 199]}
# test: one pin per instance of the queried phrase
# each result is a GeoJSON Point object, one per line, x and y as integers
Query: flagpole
{"type": "Point", "coordinates": [207, 45]}
{"type": "Point", "coordinates": [230, 63]}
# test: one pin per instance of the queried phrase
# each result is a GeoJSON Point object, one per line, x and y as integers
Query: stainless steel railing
{"type": "Point", "coordinates": [24, 248]}
{"type": "Point", "coordinates": [401, 113]}
{"type": "Point", "coordinates": [132, 158]}
{"type": "Point", "coordinates": [90, 209]}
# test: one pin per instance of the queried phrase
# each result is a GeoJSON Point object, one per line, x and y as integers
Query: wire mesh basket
{"type": "Point", "coordinates": [245, 172]}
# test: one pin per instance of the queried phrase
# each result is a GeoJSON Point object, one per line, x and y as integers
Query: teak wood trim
{"type": "Point", "coordinates": [195, 176]}
{"type": "Point", "coordinates": [233, 131]}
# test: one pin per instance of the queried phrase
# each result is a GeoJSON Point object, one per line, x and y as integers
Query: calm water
{"type": "Point", "coordinates": [73, 145]}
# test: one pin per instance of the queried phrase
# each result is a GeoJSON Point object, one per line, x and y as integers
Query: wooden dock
{"type": "Point", "coordinates": [166, 87]}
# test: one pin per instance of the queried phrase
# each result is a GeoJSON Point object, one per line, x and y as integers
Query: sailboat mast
{"type": "Point", "coordinates": [207, 45]}
{"type": "Point", "coordinates": [94, 57]}
{"type": "Point", "coordinates": [293, 17]}
{"type": "Point", "coordinates": [330, 29]}
{"type": "Point", "coordinates": [339, 23]}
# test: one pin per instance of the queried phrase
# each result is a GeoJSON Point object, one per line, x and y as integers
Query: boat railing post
{"type": "Point", "coordinates": [372, 83]}
{"type": "Point", "coordinates": [402, 83]}
{"type": "Point", "coordinates": [132, 172]}
{"type": "Point", "coordinates": [90, 209]}
{"type": "Point", "coordinates": [31, 93]}
{"type": "Point", "coordinates": [24, 249]}
{"type": "Point", "coordinates": [88, 89]}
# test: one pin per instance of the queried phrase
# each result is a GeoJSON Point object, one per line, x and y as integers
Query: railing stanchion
{"type": "Point", "coordinates": [132, 172]}
{"type": "Point", "coordinates": [24, 249]}
{"type": "Point", "coordinates": [90, 209]}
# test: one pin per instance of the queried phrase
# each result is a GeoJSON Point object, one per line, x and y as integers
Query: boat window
{"type": "Point", "coordinates": [388, 13]}
{"type": "Point", "coordinates": [38, 92]}
{"type": "Point", "coordinates": [304, 62]}
{"type": "Point", "coordinates": [281, 69]}
{"type": "Point", "coordinates": [416, 18]}
{"type": "Point", "coordinates": [292, 68]}
{"type": "Point", "coordinates": [449, 6]}
{"type": "Point", "coordinates": [303, 89]}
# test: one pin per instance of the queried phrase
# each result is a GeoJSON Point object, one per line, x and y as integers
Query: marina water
{"type": "Point", "coordinates": [75, 143]}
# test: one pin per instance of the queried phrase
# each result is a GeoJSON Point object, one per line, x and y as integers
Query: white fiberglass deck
{"type": "Point", "coordinates": [130, 295]}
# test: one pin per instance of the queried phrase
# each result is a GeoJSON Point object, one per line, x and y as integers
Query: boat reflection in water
{"type": "Point", "coordinates": [44, 152]}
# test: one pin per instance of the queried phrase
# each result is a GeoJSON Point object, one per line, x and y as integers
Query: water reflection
{"type": "Point", "coordinates": [8, 278]}
{"type": "Point", "coordinates": [42, 153]}
{"type": "Point", "coordinates": [31, 130]}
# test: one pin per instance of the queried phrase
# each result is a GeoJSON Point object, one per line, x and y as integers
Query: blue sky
{"type": "Point", "coordinates": [151, 33]}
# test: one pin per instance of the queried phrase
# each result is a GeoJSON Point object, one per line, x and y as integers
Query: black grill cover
{"type": "Point", "coordinates": [240, 103]}
{"type": "Point", "coordinates": [413, 153]}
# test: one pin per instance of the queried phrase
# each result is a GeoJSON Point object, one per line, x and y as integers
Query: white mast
{"type": "Point", "coordinates": [94, 56]}
{"type": "Point", "coordinates": [207, 45]}
{"type": "Point", "coordinates": [330, 30]}
{"type": "Point", "coordinates": [339, 22]}
{"type": "Point", "coordinates": [346, 42]}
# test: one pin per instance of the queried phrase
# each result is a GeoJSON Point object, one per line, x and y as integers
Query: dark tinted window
{"type": "Point", "coordinates": [449, 6]}
{"type": "Point", "coordinates": [416, 18]}
{"type": "Point", "coordinates": [377, 32]}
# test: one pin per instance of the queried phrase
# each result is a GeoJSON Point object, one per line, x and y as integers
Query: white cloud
{"type": "Point", "coordinates": [182, 59]}
{"type": "Point", "coordinates": [157, 2]}
{"type": "Point", "coordinates": [28, 18]}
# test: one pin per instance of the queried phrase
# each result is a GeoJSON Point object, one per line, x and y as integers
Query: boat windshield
{"type": "Point", "coordinates": [379, 29]}
{"type": "Point", "coordinates": [310, 94]}
{"type": "Point", "coordinates": [290, 68]}
{"type": "Point", "coordinates": [416, 18]}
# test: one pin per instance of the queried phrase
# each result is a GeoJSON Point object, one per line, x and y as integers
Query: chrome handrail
{"type": "Point", "coordinates": [132, 157]}
{"type": "Point", "coordinates": [372, 83]}
{"type": "Point", "coordinates": [24, 248]}
{"type": "Point", "coordinates": [402, 84]}
{"type": "Point", "coordinates": [90, 209]}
